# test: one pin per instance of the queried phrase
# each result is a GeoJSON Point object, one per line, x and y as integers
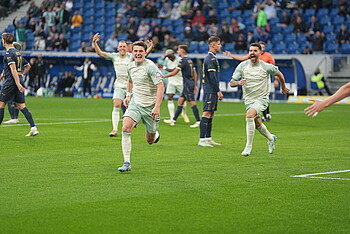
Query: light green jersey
{"type": "Point", "coordinates": [177, 79]}
{"type": "Point", "coordinates": [145, 77]}
{"type": "Point", "coordinates": [257, 78]}
{"type": "Point", "coordinates": [120, 64]}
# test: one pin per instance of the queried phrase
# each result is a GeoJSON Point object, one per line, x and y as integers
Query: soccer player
{"type": "Point", "coordinates": [13, 89]}
{"type": "Point", "coordinates": [146, 84]}
{"type": "Point", "coordinates": [175, 85]}
{"type": "Point", "coordinates": [189, 75]}
{"type": "Point", "coordinates": [267, 58]}
{"type": "Point", "coordinates": [12, 107]}
{"type": "Point", "coordinates": [212, 93]}
{"type": "Point", "coordinates": [319, 106]}
{"type": "Point", "coordinates": [255, 84]}
{"type": "Point", "coordinates": [120, 62]}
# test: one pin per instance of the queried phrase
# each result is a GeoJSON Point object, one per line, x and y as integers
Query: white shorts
{"type": "Point", "coordinates": [174, 89]}
{"type": "Point", "coordinates": [259, 105]}
{"type": "Point", "coordinates": [119, 93]}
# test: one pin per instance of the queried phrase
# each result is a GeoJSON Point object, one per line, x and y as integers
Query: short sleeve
{"type": "Point", "coordinates": [272, 69]}
{"type": "Point", "coordinates": [238, 72]}
{"type": "Point", "coordinates": [155, 73]}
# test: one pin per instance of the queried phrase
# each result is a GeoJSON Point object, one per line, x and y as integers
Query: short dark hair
{"type": "Point", "coordinates": [261, 43]}
{"type": "Point", "coordinates": [213, 39]}
{"type": "Point", "coordinates": [139, 43]}
{"type": "Point", "coordinates": [184, 47]}
{"type": "Point", "coordinates": [8, 38]}
{"type": "Point", "coordinates": [256, 45]}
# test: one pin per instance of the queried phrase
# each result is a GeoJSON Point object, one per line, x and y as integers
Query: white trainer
{"type": "Point", "coordinates": [168, 121]}
{"type": "Point", "coordinates": [271, 144]}
{"type": "Point", "coordinates": [195, 125]}
{"type": "Point", "coordinates": [204, 143]}
{"type": "Point", "coordinates": [12, 121]}
{"type": "Point", "coordinates": [212, 142]}
{"type": "Point", "coordinates": [247, 150]}
{"type": "Point", "coordinates": [185, 117]}
{"type": "Point", "coordinates": [33, 132]}
{"type": "Point", "coordinates": [172, 123]}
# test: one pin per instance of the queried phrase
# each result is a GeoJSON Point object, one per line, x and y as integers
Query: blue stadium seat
{"type": "Point", "coordinates": [273, 22]}
{"type": "Point", "coordinates": [176, 23]}
{"type": "Point", "coordinates": [279, 48]}
{"type": "Point", "coordinates": [336, 20]}
{"type": "Point", "coordinates": [288, 30]}
{"type": "Point", "coordinates": [87, 5]}
{"type": "Point", "coordinates": [110, 13]}
{"type": "Point", "coordinates": [229, 47]}
{"type": "Point", "coordinates": [302, 38]}
{"type": "Point", "coordinates": [290, 38]}
{"type": "Point", "coordinates": [203, 47]}
{"type": "Point", "coordinates": [325, 20]}
{"type": "Point", "coordinates": [322, 12]}
{"type": "Point", "coordinates": [236, 14]}
{"type": "Point", "coordinates": [167, 22]}
{"type": "Point", "coordinates": [327, 29]}
{"type": "Point", "coordinates": [193, 47]}
{"type": "Point", "coordinates": [247, 13]}
{"type": "Point", "coordinates": [88, 13]}
{"type": "Point", "coordinates": [224, 14]}
{"type": "Point", "coordinates": [99, 13]}
{"type": "Point", "coordinates": [331, 37]}
{"type": "Point", "coordinates": [345, 48]}
{"type": "Point", "coordinates": [123, 37]}
{"type": "Point", "coordinates": [309, 12]}
{"type": "Point", "coordinates": [332, 48]}
{"type": "Point", "coordinates": [334, 12]}
{"type": "Point", "coordinates": [268, 47]}
{"type": "Point", "coordinates": [293, 49]}
{"type": "Point", "coordinates": [277, 38]}
{"type": "Point", "coordinates": [276, 29]}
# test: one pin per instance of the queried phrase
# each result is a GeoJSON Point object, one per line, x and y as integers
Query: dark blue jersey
{"type": "Point", "coordinates": [186, 66]}
{"type": "Point", "coordinates": [211, 74]}
{"type": "Point", "coordinates": [13, 56]}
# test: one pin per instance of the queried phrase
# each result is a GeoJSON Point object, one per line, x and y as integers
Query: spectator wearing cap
{"type": "Point", "coordinates": [202, 34]}
{"type": "Point", "coordinates": [175, 12]}
{"type": "Point", "coordinates": [188, 35]}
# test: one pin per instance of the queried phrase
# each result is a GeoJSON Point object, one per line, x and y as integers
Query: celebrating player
{"type": "Point", "coordinates": [255, 84]}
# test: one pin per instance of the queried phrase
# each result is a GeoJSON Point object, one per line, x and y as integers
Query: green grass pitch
{"type": "Point", "coordinates": [65, 180]}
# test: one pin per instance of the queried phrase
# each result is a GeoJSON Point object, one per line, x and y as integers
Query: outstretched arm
{"type": "Point", "coordinates": [236, 57]}
{"type": "Point", "coordinates": [150, 48]}
{"type": "Point", "coordinates": [319, 106]}
{"type": "Point", "coordinates": [97, 47]}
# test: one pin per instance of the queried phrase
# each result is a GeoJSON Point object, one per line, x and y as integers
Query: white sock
{"type": "Point", "coordinates": [250, 129]}
{"type": "Point", "coordinates": [115, 118]}
{"type": "Point", "coordinates": [171, 108]}
{"type": "Point", "coordinates": [184, 109]}
{"type": "Point", "coordinates": [126, 146]}
{"type": "Point", "coordinates": [263, 131]}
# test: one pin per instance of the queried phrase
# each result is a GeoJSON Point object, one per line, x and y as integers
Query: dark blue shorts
{"type": "Point", "coordinates": [188, 93]}
{"type": "Point", "coordinates": [210, 102]}
{"type": "Point", "coordinates": [11, 93]}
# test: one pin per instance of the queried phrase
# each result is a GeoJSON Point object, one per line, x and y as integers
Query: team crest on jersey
{"type": "Point", "coordinates": [9, 58]}
{"type": "Point", "coordinates": [158, 75]}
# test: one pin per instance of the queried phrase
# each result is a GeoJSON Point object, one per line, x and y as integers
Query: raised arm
{"type": "Point", "coordinates": [150, 48]}
{"type": "Point", "coordinates": [97, 47]}
{"type": "Point", "coordinates": [236, 57]}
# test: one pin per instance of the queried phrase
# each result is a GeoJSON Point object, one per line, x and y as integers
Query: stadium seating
{"type": "Point", "coordinates": [345, 48]}
{"type": "Point", "coordinates": [332, 48]}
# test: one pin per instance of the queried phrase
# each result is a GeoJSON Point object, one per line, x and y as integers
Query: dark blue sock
{"type": "Point", "coordinates": [178, 112]}
{"type": "Point", "coordinates": [203, 126]}
{"type": "Point", "coordinates": [196, 112]}
{"type": "Point", "coordinates": [28, 116]}
{"type": "Point", "coordinates": [209, 127]}
{"type": "Point", "coordinates": [2, 111]}
{"type": "Point", "coordinates": [13, 110]}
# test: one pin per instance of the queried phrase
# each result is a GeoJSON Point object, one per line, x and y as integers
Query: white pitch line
{"type": "Point", "coordinates": [107, 120]}
{"type": "Point", "coordinates": [313, 175]}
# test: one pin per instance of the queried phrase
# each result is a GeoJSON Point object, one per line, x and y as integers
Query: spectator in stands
{"type": "Point", "coordinates": [50, 42]}
{"type": "Point", "coordinates": [33, 10]}
{"type": "Point", "coordinates": [41, 23]}
{"type": "Point", "coordinates": [285, 20]}
{"type": "Point", "coordinates": [165, 12]}
{"type": "Point", "coordinates": [151, 10]}
{"type": "Point", "coordinates": [241, 44]}
{"type": "Point", "coordinates": [53, 30]}
{"type": "Point", "coordinates": [131, 25]}
{"type": "Point", "coordinates": [132, 35]}
{"type": "Point", "coordinates": [3, 12]}
{"type": "Point", "coordinates": [121, 12]}
{"type": "Point", "coordinates": [343, 8]}
{"type": "Point", "coordinates": [31, 25]}
{"type": "Point", "coordinates": [40, 43]}
{"type": "Point", "coordinates": [132, 11]}
{"type": "Point", "coordinates": [66, 82]}
{"type": "Point", "coordinates": [212, 18]}
{"type": "Point", "coordinates": [158, 33]}
{"type": "Point", "coordinates": [56, 6]}
{"type": "Point", "coordinates": [20, 33]}
{"type": "Point", "coordinates": [119, 27]}
{"type": "Point", "coordinates": [157, 46]}
{"type": "Point", "coordinates": [185, 6]}
{"type": "Point", "coordinates": [251, 37]}
{"type": "Point", "coordinates": [247, 5]}
{"type": "Point", "coordinates": [69, 5]}
{"type": "Point", "coordinates": [313, 26]}
{"type": "Point", "coordinates": [270, 9]}
{"type": "Point", "coordinates": [62, 19]}
{"type": "Point", "coordinates": [307, 50]}
{"type": "Point", "coordinates": [225, 35]}
{"type": "Point", "coordinates": [188, 35]}
{"type": "Point", "coordinates": [175, 12]}
{"type": "Point", "coordinates": [343, 35]}
{"type": "Point", "coordinates": [236, 29]}
{"type": "Point", "coordinates": [202, 34]}
{"type": "Point", "coordinates": [61, 43]}
{"type": "Point", "coordinates": [299, 26]}
{"type": "Point", "coordinates": [143, 29]}
{"type": "Point", "coordinates": [264, 36]}
{"type": "Point", "coordinates": [111, 44]}
{"type": "Point", "coordinates": [83, 48]}
{"type": "Point", "coordinates": [213, 30]}
{"type": "Point", "coordinates": [87, 68]}
{"type": "Point", "coordinates": [165, 30]}
{"type": "Point", "coordinates": [261, 20]}
{"type": "Point", "coordinates": [39, 32]}
{"type": "Point", "coordinates": [318, 41]}
{"type": "Point", "coordinates": [296, 14]}
{"type": "Point", "coordinates": [141, 11]}
{"type": "Point", "coordinates": [50, 18]}
{"type": "Point", "coordinates": [77, 20]}
{"type": "Point", "coordinates": [198, 19]}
